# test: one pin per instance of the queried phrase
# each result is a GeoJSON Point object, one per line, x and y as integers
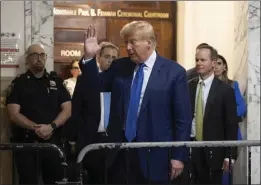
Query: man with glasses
{"type": "Point", "coordinates": [91, 110]}
{"type": "Point", "coordinates": [38, 106]}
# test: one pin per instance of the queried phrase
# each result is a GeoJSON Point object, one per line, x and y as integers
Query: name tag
{"type": "Point", "coordinates": [53, 88]}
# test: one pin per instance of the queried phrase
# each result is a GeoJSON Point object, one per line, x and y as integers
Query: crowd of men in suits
{"type": "Point", "coordinates": [148, 98]}
{"type": "Point", "coordinates": [153, 99]}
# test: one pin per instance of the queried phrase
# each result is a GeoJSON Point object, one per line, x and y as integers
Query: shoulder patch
{"type": "Point", "coordinates": [7, 93]}
{"type": "Point", "coordinates": [11, 86]}
{"type": "Point", "coordinates": [9, 89]}
{"type": "Point", "coordinates": [19, 76]}
{"type": "Point", "coordinates": [16, 78]}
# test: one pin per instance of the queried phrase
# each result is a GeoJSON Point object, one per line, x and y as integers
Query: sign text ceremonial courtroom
{"type": "Point", "coordinates": [101, 13]}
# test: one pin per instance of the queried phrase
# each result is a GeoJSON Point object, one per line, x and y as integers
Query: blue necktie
{"type": "Point", "coordinates": [132, 115]}
{"type": "Point", "coordinates": [107, 102]}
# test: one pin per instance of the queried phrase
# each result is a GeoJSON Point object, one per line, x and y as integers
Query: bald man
{"type": "Point", "coordinates": [38, 106]}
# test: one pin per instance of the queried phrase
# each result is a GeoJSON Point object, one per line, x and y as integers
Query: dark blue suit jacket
{"type": "Point", "coordinates": [165, 113]}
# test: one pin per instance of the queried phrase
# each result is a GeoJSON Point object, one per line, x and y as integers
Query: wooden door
{"type": "Point", "coordinates": [69, 29]}
{"type": "Point", "coordinates": [69, 36]}
{"type": "Point", "coordinates": [163, 32]}
{"type": "Point", "coordinates": [69, 39]}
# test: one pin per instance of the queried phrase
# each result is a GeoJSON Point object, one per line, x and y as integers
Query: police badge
{"type": "Point", "coordinates": [52, 83]}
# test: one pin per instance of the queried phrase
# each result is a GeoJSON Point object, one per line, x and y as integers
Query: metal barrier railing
{"type": "Point", "coordinates": [190, 144]}
{"type": "Point", "coordinates": [35, 147]}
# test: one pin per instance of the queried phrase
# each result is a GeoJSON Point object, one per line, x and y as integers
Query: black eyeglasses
{"type": "Point", "coordinates": [75, 68]}
{"type": "Point", "coordinates": [38, 55]}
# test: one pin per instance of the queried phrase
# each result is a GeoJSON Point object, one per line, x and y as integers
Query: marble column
{"type": "Point", "coordinates": [253, 90]}
{"type": "Point", "coordinates": [240, 65]}
{"type": "Point", "coordinates": [241, 44]}
{"type": "Point", "coordinates": [39, 27]}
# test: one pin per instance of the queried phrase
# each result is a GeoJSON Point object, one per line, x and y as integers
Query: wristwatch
{"type": "Point", "coordinates": [54, 126]}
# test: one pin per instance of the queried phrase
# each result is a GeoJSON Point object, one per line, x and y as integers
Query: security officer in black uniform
{"type": "Point", "coordinates": [38, 106]}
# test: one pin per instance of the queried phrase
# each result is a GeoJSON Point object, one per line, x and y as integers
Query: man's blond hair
{"type": "Point", "coordinates": [143, 29]}
{"type": "Point", "coordinates": [104, 45]}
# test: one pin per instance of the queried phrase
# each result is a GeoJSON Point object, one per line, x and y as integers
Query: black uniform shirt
{"type": "Point", "coordinates": [40, 98]}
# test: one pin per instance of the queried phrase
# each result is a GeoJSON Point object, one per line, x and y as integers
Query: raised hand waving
{"type": "Point", "coordinates": [91, 46]}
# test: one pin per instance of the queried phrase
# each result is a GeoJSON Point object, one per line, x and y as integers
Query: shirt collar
{"type": "Point", "coordinates": [98, 66]}
{"type": "Point", "coordinates": [208, 80]}
{"type": "Point", "coordinates": [151, 60]}
{"type": "Point", "coordinates": [31, 75]}
{"type": "Point", "coordinates": [73, 79]}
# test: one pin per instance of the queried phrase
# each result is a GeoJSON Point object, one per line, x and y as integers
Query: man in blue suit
{"type": "Point", "coordinates": [149, 103]}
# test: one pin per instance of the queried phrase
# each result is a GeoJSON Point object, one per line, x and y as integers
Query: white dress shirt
{"type": "Point", "coordinates": [149, 63]}
{"type": "Point", "coordinates": [205, 91]}
{"type": "Point", "coordinates": [101, 127]}
{"type": "Point", "coordinates": [70, 85]}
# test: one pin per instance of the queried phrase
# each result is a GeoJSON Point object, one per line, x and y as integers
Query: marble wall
{"type": "Point", "coordinates": [240, 52]}
{"type": "Point", "coordinates": [241, 44]}
{"type": "Point", "coordinates": [17, 26]}
{"type": "Point", "coordinates": [33, 20]}
{"type": "Point", "coordinates": [253, 86]}
{"type": "Point", "coordinates": [10, 22]}
{"type": "Point", "coordinates": [39, 21]}
{"type": "Point", "coordinates": [247, 73]}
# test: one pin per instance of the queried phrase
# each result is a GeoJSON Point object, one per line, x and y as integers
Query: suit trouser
{"type": "Point", "coordinates": [29, 166]}
{"type": "Point", "coordinates": [126, 170]}
{"type": "Point", "coordinates": [94, 162]}
{"type": "Point", "coordinates": [201, 172]}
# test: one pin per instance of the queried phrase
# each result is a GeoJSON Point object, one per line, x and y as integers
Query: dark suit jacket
{"type": "Point", "coordinates": [220, 119]}
{"type": "Point", "coordinates": [86, 111]}
{"type": "Point", "coordinates": [165, 113]}
{"type": "Point", "coordinates": [192, 73]}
